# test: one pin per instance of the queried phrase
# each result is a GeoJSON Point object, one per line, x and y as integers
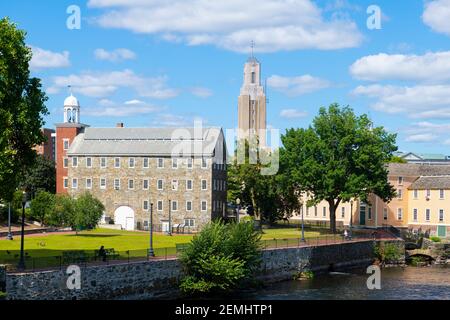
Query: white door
{"type": "Point", "coordinates": [125, 217]}
{"type": "Point", "coordinates": [165, 226]}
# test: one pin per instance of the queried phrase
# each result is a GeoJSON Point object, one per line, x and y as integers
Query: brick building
{"type": "Point", "coordinates": [47, 148]}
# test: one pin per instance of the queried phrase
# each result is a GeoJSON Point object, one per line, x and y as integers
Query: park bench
{"type": "Point", "coordinates": [110, 254]}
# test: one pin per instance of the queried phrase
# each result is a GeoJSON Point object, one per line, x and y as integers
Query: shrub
{"type": "Point", "coordinates": [435, 239]}
{"type": "Point", "coordinates": [388, 252]}
{"type": "Point", "coordinates": [220, 258]}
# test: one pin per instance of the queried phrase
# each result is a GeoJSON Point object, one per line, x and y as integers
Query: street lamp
{"type": "Point", "coordinates": [238, 202]}
{"type": "Point", "coordinates": [170, 218]}
{"type": "Point", "coordinates": [351, 219]}
{"type": "Point", "coordinates": [21, 265]}
{"type": "Point", "coordinates": [303, 224]}
{"type": "Point", "coordinates": [151, 253]}
{"type": "Point", "coordinates": [9, 236]}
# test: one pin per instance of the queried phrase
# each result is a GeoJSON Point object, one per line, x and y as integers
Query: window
{"type": "Point", "coordinates": [145, 163]}
{"type": "Point", "coordinates": [145, 184]}
{"type": "Point", "coordinates": [369, 213]}
{"type": "Point", "coordinates": [399, 194]}
{"type": "Point", "coordinates": [74, 162]}
{"type": "Point", "coordinates": [88, 162]}
{"type": "Point", "coordinates": [159, 184]}
{"type": "Point", "coordinates": [65, 144]}
{"type": "Point", "coordinates": [188, 205]}
{"type": "Point", "coordinates": [441, 194]}
{"type": "Point", "coordinates": [203, 206]}
{"type": "Point", "coordinates": [307, 211]}
{"type": "Point", "coordinates": [189, 222]}
{"type": "Point", "coordinates": [416, 193]}
{"type": "Point", "coordinates": [117, 184]}
{"type": "Point", "coordinates": [203, 184]}
{"type": "Point", "coordinates": [160, 163]}
{"type": "Point", "coordinates": [427, 214]}
{"type": "Point", "coordinates": [400, 181]}
{"type": "Point", "coordinates": [441, 215]}
{"type": "Point", "coordinates": [66, 183]}
{"type": "Point", "coordinates": [415, 214]}
{"type": "Point", "coordinates": [343, 212]}
{"type": "Point", "coordinates": [428, 193]}
{"type": "Point", "coordinates": [102, 183]}
{"type": "Point", "coordinates": [103, 162]}
{"type": "Point", "coordinates": [174, 205]}
{"type": "Point", "coordinates": [88, 183]}
{"type": "Point", "coordinates": [399, 213]}
{"type": "Point", "coordinates": [145, 205]}
{"type": "Point", "coordinates": [315, 211]}
{"type": "Point", "coordinates": [204, 163]}
{"type": "Point", "coordinates": [174, 185]}
{"type": "Point", "coordinates": [74, 183]}
{"type": "Point", "coordinates": [131, 184]}
{"type": "Point", "coordinates": [65, 162]}
{"type": "Point", "coordinates": [214, 184]}
{"type": "Point", "coordinates": [385, 213]}
{"type": "Point", "coordinates": [116, 162]}
{"type": "Point", "coordinates": [324, 212]}
{"type": "Point", "coordinates": [159, 205]}
{"type": "Point", "coordinates": [189, 163]}
{"type": "Point", "coordinates": [253, 76]}
{"type": "Point", "coordinates": [131, 162]}
{"type": "Point", "coordinates": [188, 184]}
{"type": "Point", "coordinates": [174, 163]}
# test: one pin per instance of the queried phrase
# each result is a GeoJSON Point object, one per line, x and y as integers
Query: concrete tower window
{"type": "Point", "coordinates": [253, 77]}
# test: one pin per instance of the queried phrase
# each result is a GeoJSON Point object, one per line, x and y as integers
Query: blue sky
{"type": "Point", "coordinates": [166, 63]}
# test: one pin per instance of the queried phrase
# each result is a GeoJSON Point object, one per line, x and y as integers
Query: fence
{"type": "Point", "coordinates": [93, 257]}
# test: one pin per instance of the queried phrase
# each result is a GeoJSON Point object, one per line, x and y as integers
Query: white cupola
{"type": "Point", "coordinates": [71, 110]}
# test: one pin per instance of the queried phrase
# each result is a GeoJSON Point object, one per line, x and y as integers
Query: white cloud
{"type": "Point", "coordinates": [201, 92]}
{"type": "Point", "coordinates": [425, 137]}
{"type": "Point", "coordinates": [292, 113]}
{"type": "Point", "coordinates": [295, 86]}
{"type": "Point", "coordinates": [447, 142]}
{"type": "Point", "coordinates": [134, 101]}
{"type": "Point", "coordinates": [437, 16]}
{"type": "Point", "coordinates": [274, 25]}
{"type": "Point", "coordinates": [45, 59]}
{"type": "Point", "coordinates": [430, 67]}
{"type": "Point", "coordinates": [104, 84]}
{"type": "Point", "coordinates": [421, 101]}
{"type": "Point", "coordinates": [114, 55]}
{"type": "Point", "coordinates": [112, 109]}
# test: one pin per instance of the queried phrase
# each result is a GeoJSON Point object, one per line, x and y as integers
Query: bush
{"type": "Point", "coordinates": [220, 258]}
{"type": "Point", "coordinates": [435, 239]}
{"type": "Point", "coordinates": [3, 295]}
{"type": "Point", "coordinates": [388, 252]}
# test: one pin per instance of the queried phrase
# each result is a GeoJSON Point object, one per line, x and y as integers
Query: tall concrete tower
{"type": "Point", "coordinates": [252, 104]}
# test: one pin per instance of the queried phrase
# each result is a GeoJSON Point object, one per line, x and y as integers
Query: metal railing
{"type": "Point", "coordinates": [85, 258]}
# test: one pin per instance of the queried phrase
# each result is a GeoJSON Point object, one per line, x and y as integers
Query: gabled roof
{"type": "Point", "coordinates": [436, 182]}
{"type": "Point", "coordinates": [146, 141]}
{"type": "Point", "coordinates": [417, 170]}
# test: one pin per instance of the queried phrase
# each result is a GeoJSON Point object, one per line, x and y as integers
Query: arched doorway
{"type": "Point", "coordinates": [125, 217]}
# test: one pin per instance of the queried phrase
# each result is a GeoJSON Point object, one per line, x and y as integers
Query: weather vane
{"type": "Point", "coordinates": [252, 45]}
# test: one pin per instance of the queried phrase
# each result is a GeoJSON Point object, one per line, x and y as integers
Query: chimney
{"type": "Point", "coordinates": [119, 125]}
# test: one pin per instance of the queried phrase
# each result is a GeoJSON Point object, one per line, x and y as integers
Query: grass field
{"type": "Point", "coordinates": [53, 244]}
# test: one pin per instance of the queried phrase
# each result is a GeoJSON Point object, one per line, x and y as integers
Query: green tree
{"type": "Point", "coordinates": [40, 176]}
{"type": "Point", "coordinates": [396, 159]}
{"type": "Point", "coordinates": [22, 108]}
{"type": "Point", "coordinates": [340, 157]}
{"type": "Point", "coordinates": [220, 258]}
{"type": "Point", "coordinates": [247, 181]}
{"type": "Point", "coordinates": [88, 212]}
{"type": "Point", "coordinates": [64, 213]}
{"type": "Point", "coordinates": [42, 206]}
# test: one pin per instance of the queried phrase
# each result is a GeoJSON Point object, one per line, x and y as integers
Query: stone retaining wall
{"type": "Point", "coordinates": [153, 279]}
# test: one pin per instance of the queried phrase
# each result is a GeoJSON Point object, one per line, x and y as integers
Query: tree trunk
{"type": "Point", "coordinates": [332, 215]}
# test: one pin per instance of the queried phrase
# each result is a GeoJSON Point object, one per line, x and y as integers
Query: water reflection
{"type": "Point", "coordinates": [396, 283]}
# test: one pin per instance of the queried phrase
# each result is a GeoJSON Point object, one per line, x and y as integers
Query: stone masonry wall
{"type": "Point", "coordinates": [146, 280]}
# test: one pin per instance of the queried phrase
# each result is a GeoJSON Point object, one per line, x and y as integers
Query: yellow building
{"type": "Point", "coordinates": [422, 203]}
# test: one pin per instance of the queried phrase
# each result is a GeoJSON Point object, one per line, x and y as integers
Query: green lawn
{"type": "Point", "coordinates": [53, 244]}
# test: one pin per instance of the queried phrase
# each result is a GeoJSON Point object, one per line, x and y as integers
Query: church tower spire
{"type": "Point", "coordinates": [252, 103]}
{"type": "Point", "coordinates": [71, 109]}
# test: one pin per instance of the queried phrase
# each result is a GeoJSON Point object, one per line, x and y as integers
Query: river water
{"type": "Point", "coordinates": [423, 283]}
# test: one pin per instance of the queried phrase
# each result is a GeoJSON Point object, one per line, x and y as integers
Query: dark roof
{"type": "Point", "coordinates": [436, 182]}
{"type": "Point", "coordinates": [417, 170]}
